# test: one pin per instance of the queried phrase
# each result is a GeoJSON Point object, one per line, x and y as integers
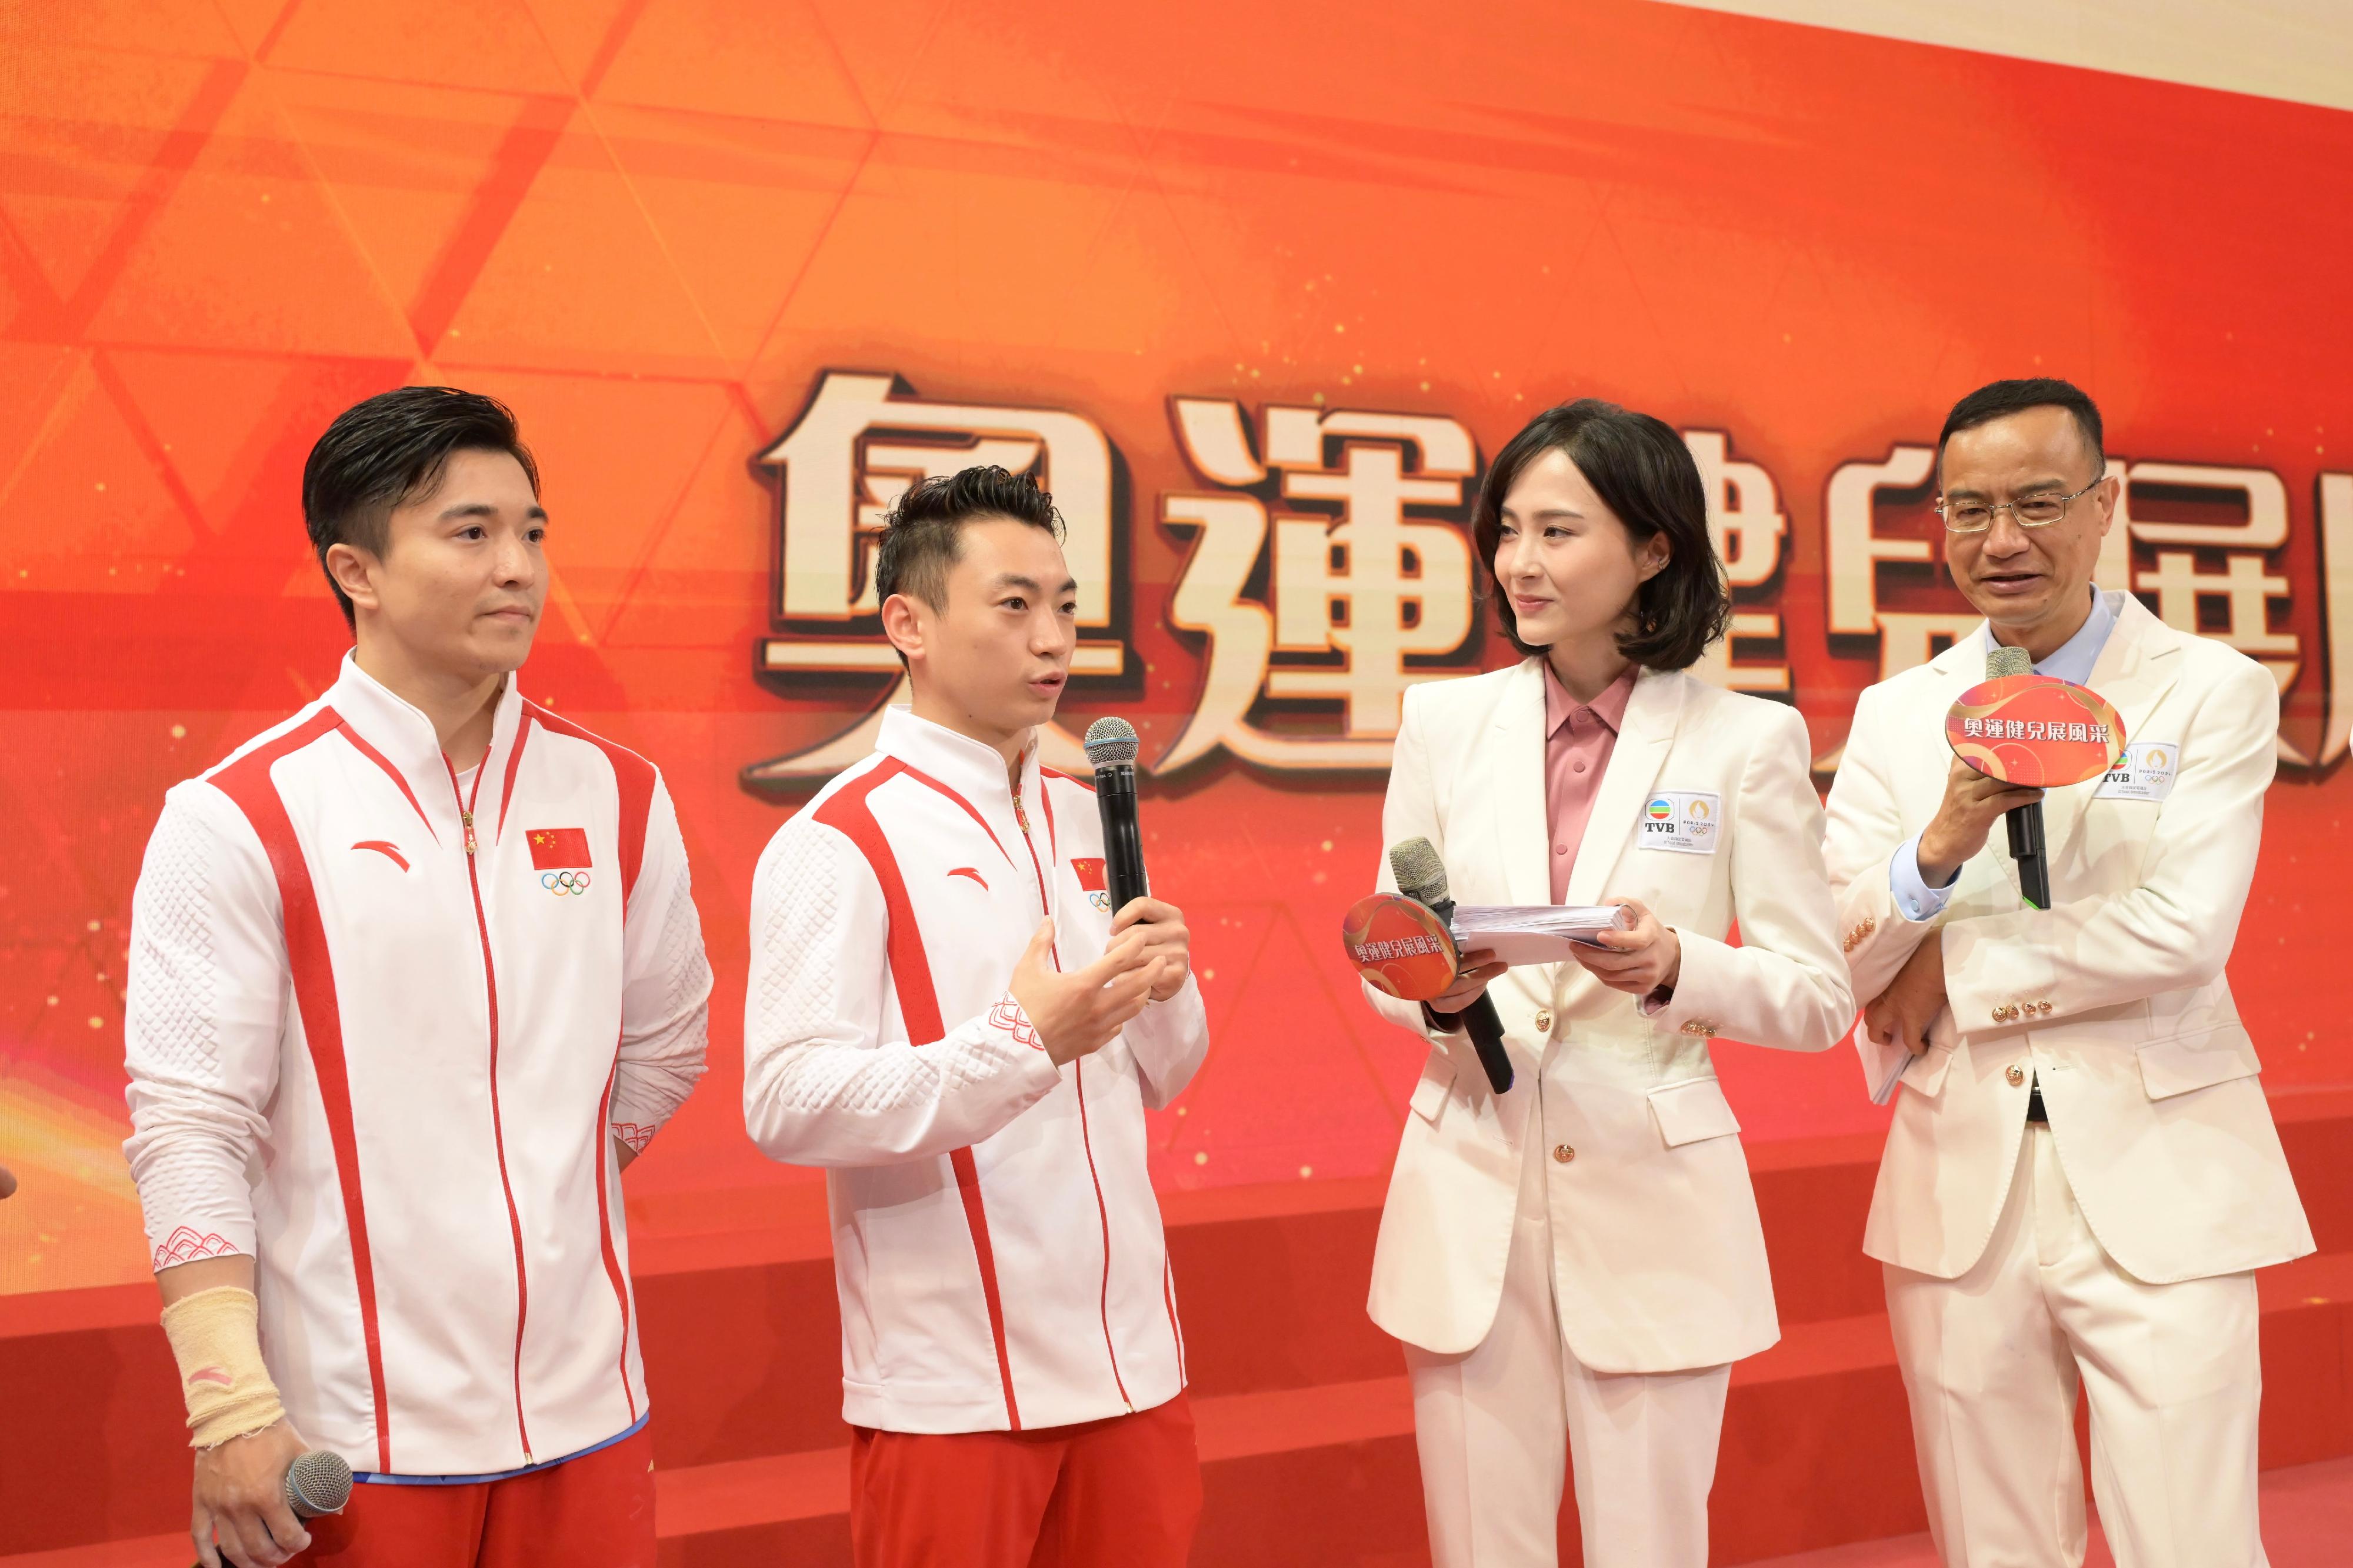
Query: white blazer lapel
{"type": "Point", "coordinates": [2138, 666]}
{"type": "Point", "coordinates": [1648, 730]}
{"type": "Point", "coordinates": [1515, 764]}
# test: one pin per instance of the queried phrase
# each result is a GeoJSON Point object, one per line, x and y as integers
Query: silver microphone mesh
{"type": "Point", "coordinates": [2001, 661]}
{"type": "Point", "coordinates": [1111, 742]}
{"type": "Point", "coordinates": [1420, 874]}
{"type": "Point", "coordinates": [318, 1482]}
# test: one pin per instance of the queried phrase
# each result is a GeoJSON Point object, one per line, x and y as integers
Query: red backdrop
{"type": "Point", "coordinates": [1257, 289]}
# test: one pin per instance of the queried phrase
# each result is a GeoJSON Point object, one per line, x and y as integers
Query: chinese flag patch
{"type": "Point", "coordinates": [1091, 876]}
{"type": "Point", "coordinates": [558, 848]}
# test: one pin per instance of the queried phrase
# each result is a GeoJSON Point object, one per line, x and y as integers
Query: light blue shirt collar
{"type": "Point", "coordinates": [2074, 659]}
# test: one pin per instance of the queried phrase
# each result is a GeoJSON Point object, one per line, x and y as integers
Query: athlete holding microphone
{"type": "Point", "coordinates": [946, 1012]}
{"type": "Point", "coordinates": [414, 975]}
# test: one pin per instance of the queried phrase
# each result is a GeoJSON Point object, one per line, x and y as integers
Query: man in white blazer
{"type": "Point", "coordinates": [1574, 1264]}
{"type": "Point", "coordinates": [2083, 1171]}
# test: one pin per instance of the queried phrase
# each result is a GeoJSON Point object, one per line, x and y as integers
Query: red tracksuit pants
{"type": "Point", "coordinates": [595, 1512]}
{"type": "Point", "coordinates": [1121, 1493]}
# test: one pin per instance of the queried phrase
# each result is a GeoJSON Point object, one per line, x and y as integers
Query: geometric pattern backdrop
{"type": "Point", "coordinates": [653, 226]}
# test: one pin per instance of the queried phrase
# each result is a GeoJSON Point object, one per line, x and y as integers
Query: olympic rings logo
{"type": "Point", "coordinates": [564, 884]}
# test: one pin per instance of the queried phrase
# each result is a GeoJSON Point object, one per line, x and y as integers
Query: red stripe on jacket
{"type": "Point", "coordinates": [850, 812]}
{"type": "Point", "coordinates": [633, 776]}
{"type": "Point", "coordinates": [246, 782]}
{"type": "Point", "coordinates": [633, 783]}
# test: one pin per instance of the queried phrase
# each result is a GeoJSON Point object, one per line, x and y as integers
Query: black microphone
{"type": "Point", "coordinates": [1421, 877]}
{"type": "Point", "coordinates": [1110, 747]}
{"type": "Point", "coordinates": [2024, 822]}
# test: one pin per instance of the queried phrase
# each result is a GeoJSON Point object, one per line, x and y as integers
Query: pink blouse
{"type": "Point", "coordinates": [1578, 739]}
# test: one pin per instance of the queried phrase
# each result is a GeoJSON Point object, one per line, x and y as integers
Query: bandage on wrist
{"type": "Point", "coordinates": [216, 1339]}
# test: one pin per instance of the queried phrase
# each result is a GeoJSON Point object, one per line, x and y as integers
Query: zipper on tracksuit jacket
{"type": "Point", "coordinates": [1079, 1077]}
{"type": "Point", "coordinates": [497, 1126]}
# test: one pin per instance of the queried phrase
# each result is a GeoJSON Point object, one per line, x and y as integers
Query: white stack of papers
{"type": "Point", "coordinates": [1536, 933]}
{"type": "Point", "coordinates": [1883, 1066]}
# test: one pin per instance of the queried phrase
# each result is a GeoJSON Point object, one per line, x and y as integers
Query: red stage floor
{"type": "Point", "coordinates": [1305, 1423]}
{"type": "Point", "coordinates": [2307, 1524]}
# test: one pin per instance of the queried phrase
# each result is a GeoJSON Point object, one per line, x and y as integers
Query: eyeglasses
{"type": "Point", "coordinates": [2033, 512]}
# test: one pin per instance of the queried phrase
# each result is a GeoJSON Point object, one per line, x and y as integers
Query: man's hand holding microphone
{"type": "Point", "coordinates": [1973, 802]}
{"type": "Point", "coordinates": [241, 1517]}
{"type": "Point", "coordinates": [1151, 951]}
{"type": "Point", "coordinates": [1077, 1014]}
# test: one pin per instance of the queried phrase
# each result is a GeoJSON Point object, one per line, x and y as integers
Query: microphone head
{"type": "Point", "coordinates": [318, 1482]}
{"type": "Point", "coordinates": [1111, 742]}
{"type": "Point", "coordinates": [2001, 661]}
{"type": "Point", "coordinates": [1420, 874]}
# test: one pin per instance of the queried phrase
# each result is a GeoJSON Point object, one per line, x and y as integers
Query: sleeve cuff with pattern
{"type": "Point", "coordinates": [201, 1025]}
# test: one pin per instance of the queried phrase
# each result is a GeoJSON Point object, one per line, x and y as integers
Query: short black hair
{"type": "Point", "coordinates": [388, 450]}
{"type": "Point", "coordinates": [1640, 467]}
{"type": "Point", "coordinates": [923, 538]}
{"type": "Point", "coordinates": [1999, 399]}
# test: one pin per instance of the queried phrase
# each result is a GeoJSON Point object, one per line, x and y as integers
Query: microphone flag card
{"type": "Point", "coordinates": [1406, 950]}
{"type": "Point", "coordinates": [2035, 730]}
{"type": "Point", "coordinates": [1399, 945]}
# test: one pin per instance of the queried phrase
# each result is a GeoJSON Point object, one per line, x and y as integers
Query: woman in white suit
{"type": "Point", "coordinates": [1574, 1264]}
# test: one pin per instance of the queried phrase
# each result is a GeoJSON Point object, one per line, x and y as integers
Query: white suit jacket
{"type": "Point", "coordinates": [2113, 998]}
{"type": "Point", "coordinates": [1661, 1262]}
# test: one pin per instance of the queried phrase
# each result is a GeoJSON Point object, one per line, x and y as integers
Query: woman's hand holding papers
{"type": "Point", "coordinates": [1638, 961]}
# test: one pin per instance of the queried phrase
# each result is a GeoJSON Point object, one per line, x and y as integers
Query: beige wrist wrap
{"type": "Point", "coordinates": [217, 1338]}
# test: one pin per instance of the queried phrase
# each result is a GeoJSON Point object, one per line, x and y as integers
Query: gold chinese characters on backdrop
{"type": "Point", "coordinates": [1330, 563]}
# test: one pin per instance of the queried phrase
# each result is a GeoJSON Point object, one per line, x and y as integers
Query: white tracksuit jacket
{"type": "Point", "coordinates": [996, 1238]}
{"type": "Point", "coordinates": [382, 1040]}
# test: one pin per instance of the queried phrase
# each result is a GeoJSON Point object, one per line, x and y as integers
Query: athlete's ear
{"type": "Point", "coordinates": [902, 623]}
{"type": "Point", "coordinates": [354, 571]}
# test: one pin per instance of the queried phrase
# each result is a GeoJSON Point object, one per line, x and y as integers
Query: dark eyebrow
{"type": "Point", "coordinates": [2030, 486]}
{"type": "Point", "coordinates": [484, 508]}
{"type": "Point", "coordinates": [1551, 513]}
{"type": "Point", "coordinates": [1015, 580]}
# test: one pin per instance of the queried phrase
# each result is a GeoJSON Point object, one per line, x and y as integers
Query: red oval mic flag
{"type": "Point", "coordinates": [2035, 730]}
{"type": "Point", "coordinates": [1399, 945]}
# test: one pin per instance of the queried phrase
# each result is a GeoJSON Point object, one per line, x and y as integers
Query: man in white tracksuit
{"type": "Point", "coordinates": [414, 975]}
{"type": "Point", "coordinates": [945, 1012]}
